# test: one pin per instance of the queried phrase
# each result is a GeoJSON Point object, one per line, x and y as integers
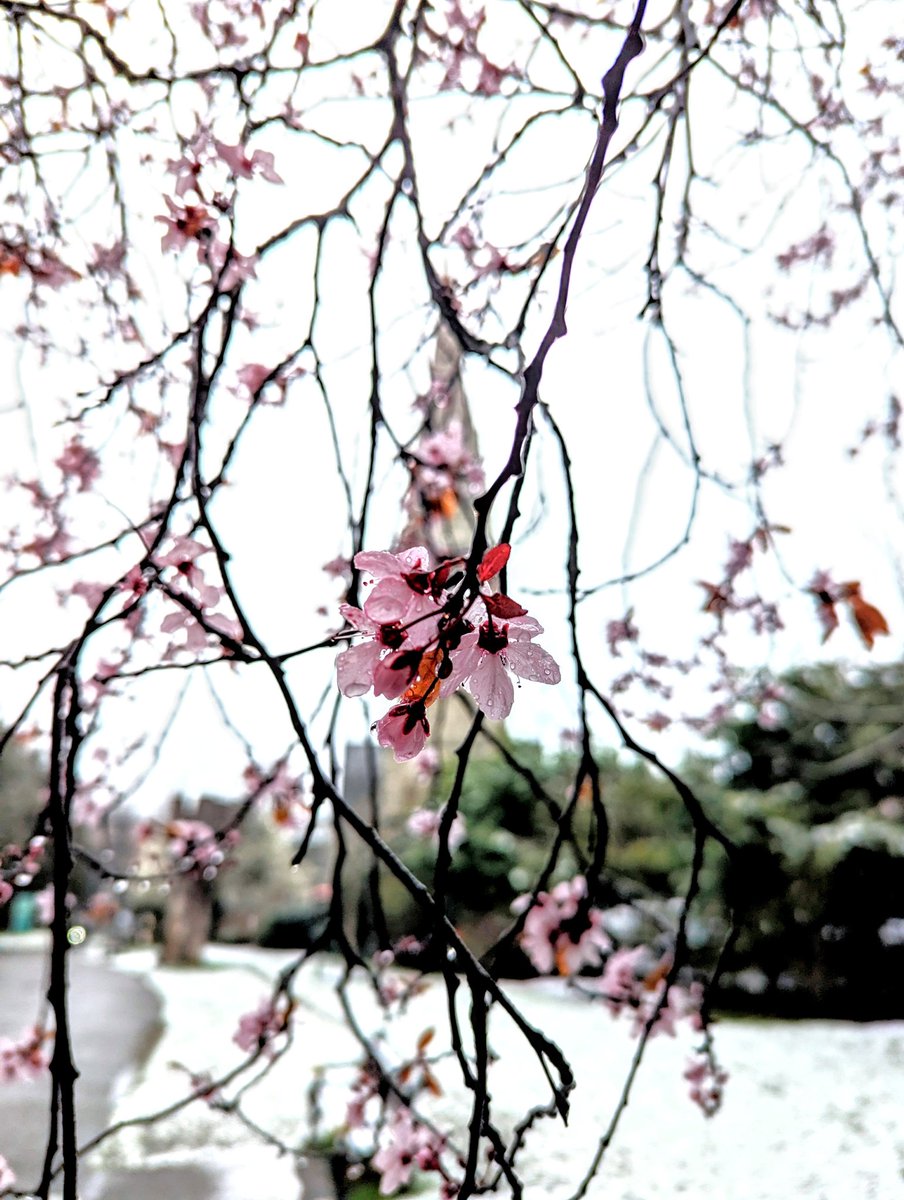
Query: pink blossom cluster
{"type": "Point", "coordinates": [194, 846]}
{"type": "Point", "coordinates": [425, 824]}
{"type": "Point", "coordinates": [707, 1082]}
{"type": "Point", "coordinates": [177, 571]}
{"type": "Point", "coordinates": [418, 646]}
{"type": "Point", "coordinates": [404, 1145]}
{"type": "Point", "coordinates": [634, 981]}
{"type": "Point", "coordinates": [189, 581]}
{"type": "Point", "coordinates": [20, 866]}
{"type": "Point", "coordinates": [285, 791]}
{"type": "Point", "coordinates": [24, 1059]}
{"type": "Point", "coordinates": [457, 47]}
{"type": "Point", "coordinates": [623, 630]}
{"type": "Point", "coordinates": [79, 463]}
{"type": "Point", "coordinates": [442, 468]}
{"type": "Point", "coordinates": [258, 1030]}
{"type": "Point", "coordinates": [562, 931]}
{"type": "Point", "coordinates": [52, 541]}
{"type": "Point", "coordinates": [205, 169]}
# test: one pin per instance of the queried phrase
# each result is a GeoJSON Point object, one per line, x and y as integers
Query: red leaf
{"type": "Point", "coordinates": [868, 619]}
{"type": "Point", "coordinates": [718, 599]}
{"type": "Point", "coordinates": [493, 561]}
{"type": "Point", "coordinates": [425, 1039]}
{"type": "Point", "coordinates": [503, 607]}
{"type": "Point", "coordinates": [654, 979]}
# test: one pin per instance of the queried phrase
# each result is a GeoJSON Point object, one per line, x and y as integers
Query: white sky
{"type": "Point", "coordinates": [282, 515]}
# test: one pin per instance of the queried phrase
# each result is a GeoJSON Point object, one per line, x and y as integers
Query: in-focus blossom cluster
{"type": "Point", "coordinates": [420, 644]}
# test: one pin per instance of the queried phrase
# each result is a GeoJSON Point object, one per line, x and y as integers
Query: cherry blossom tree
{"type": "Point", "coordinates": [376, 376]}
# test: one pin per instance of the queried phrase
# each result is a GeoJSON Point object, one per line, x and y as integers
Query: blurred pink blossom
{"type": "Point", "coordinates": [404, 1144]}
{"type": "Point", "coordinates": [243, 166]}
{"type": "Point", "coordinates": [45, 904]}
{"type": "Point", "coordinates": [561, 931]}
{"type": "Point", "coordinates": [258, 1029]}
{"type": "Point", "coordinates": [707, 1080]}
{"type": "Point", "coordinates": [7, 1175]}
{"type": "Point", "coordinates": [425, 824]}
{"type": "Point", "coordinates": [25, 1059]}
{"type": "Point", "coordinates": [79, 462]}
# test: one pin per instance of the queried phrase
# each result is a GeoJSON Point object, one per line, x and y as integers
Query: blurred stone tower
{"type": "Point", "coordinates": [442, 519]}
{"type": "Point", "coordinates": [445, 524]}
{"type": "Point", "coordinates": [440, 516]}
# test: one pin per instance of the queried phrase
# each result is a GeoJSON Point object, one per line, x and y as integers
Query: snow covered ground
{"type": "Point", "coordinates": [812, 1109]}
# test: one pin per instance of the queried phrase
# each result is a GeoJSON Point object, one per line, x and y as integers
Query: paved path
{"type": "Point", "coordinates": [115, 1021]}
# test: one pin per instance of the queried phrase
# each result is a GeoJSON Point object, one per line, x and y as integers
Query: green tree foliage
{"type": "Point", "coordinates": [810, 787]}
{"type": "Point", "coordinates": [835, 736]}
{"type": "Point", "coordinates": [508, 830]}
{"type": "Point", "coordinates": [815, 795]}
{"type": "Point", "coordinates": [510, 814]}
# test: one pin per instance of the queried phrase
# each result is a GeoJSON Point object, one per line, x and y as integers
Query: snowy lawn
{"type": "Point", "coordinates": [812, 1109]}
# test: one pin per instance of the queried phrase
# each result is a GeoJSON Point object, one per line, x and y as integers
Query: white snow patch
{"type": "Point", "coordinates": [812, 1109]}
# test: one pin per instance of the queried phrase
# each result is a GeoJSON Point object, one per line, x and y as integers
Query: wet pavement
{"type": "Point", "coordinates": [115, 1020]}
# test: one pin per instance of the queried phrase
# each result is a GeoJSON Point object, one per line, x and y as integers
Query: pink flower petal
{"type": "Point", "coordinates": [491, 687]}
